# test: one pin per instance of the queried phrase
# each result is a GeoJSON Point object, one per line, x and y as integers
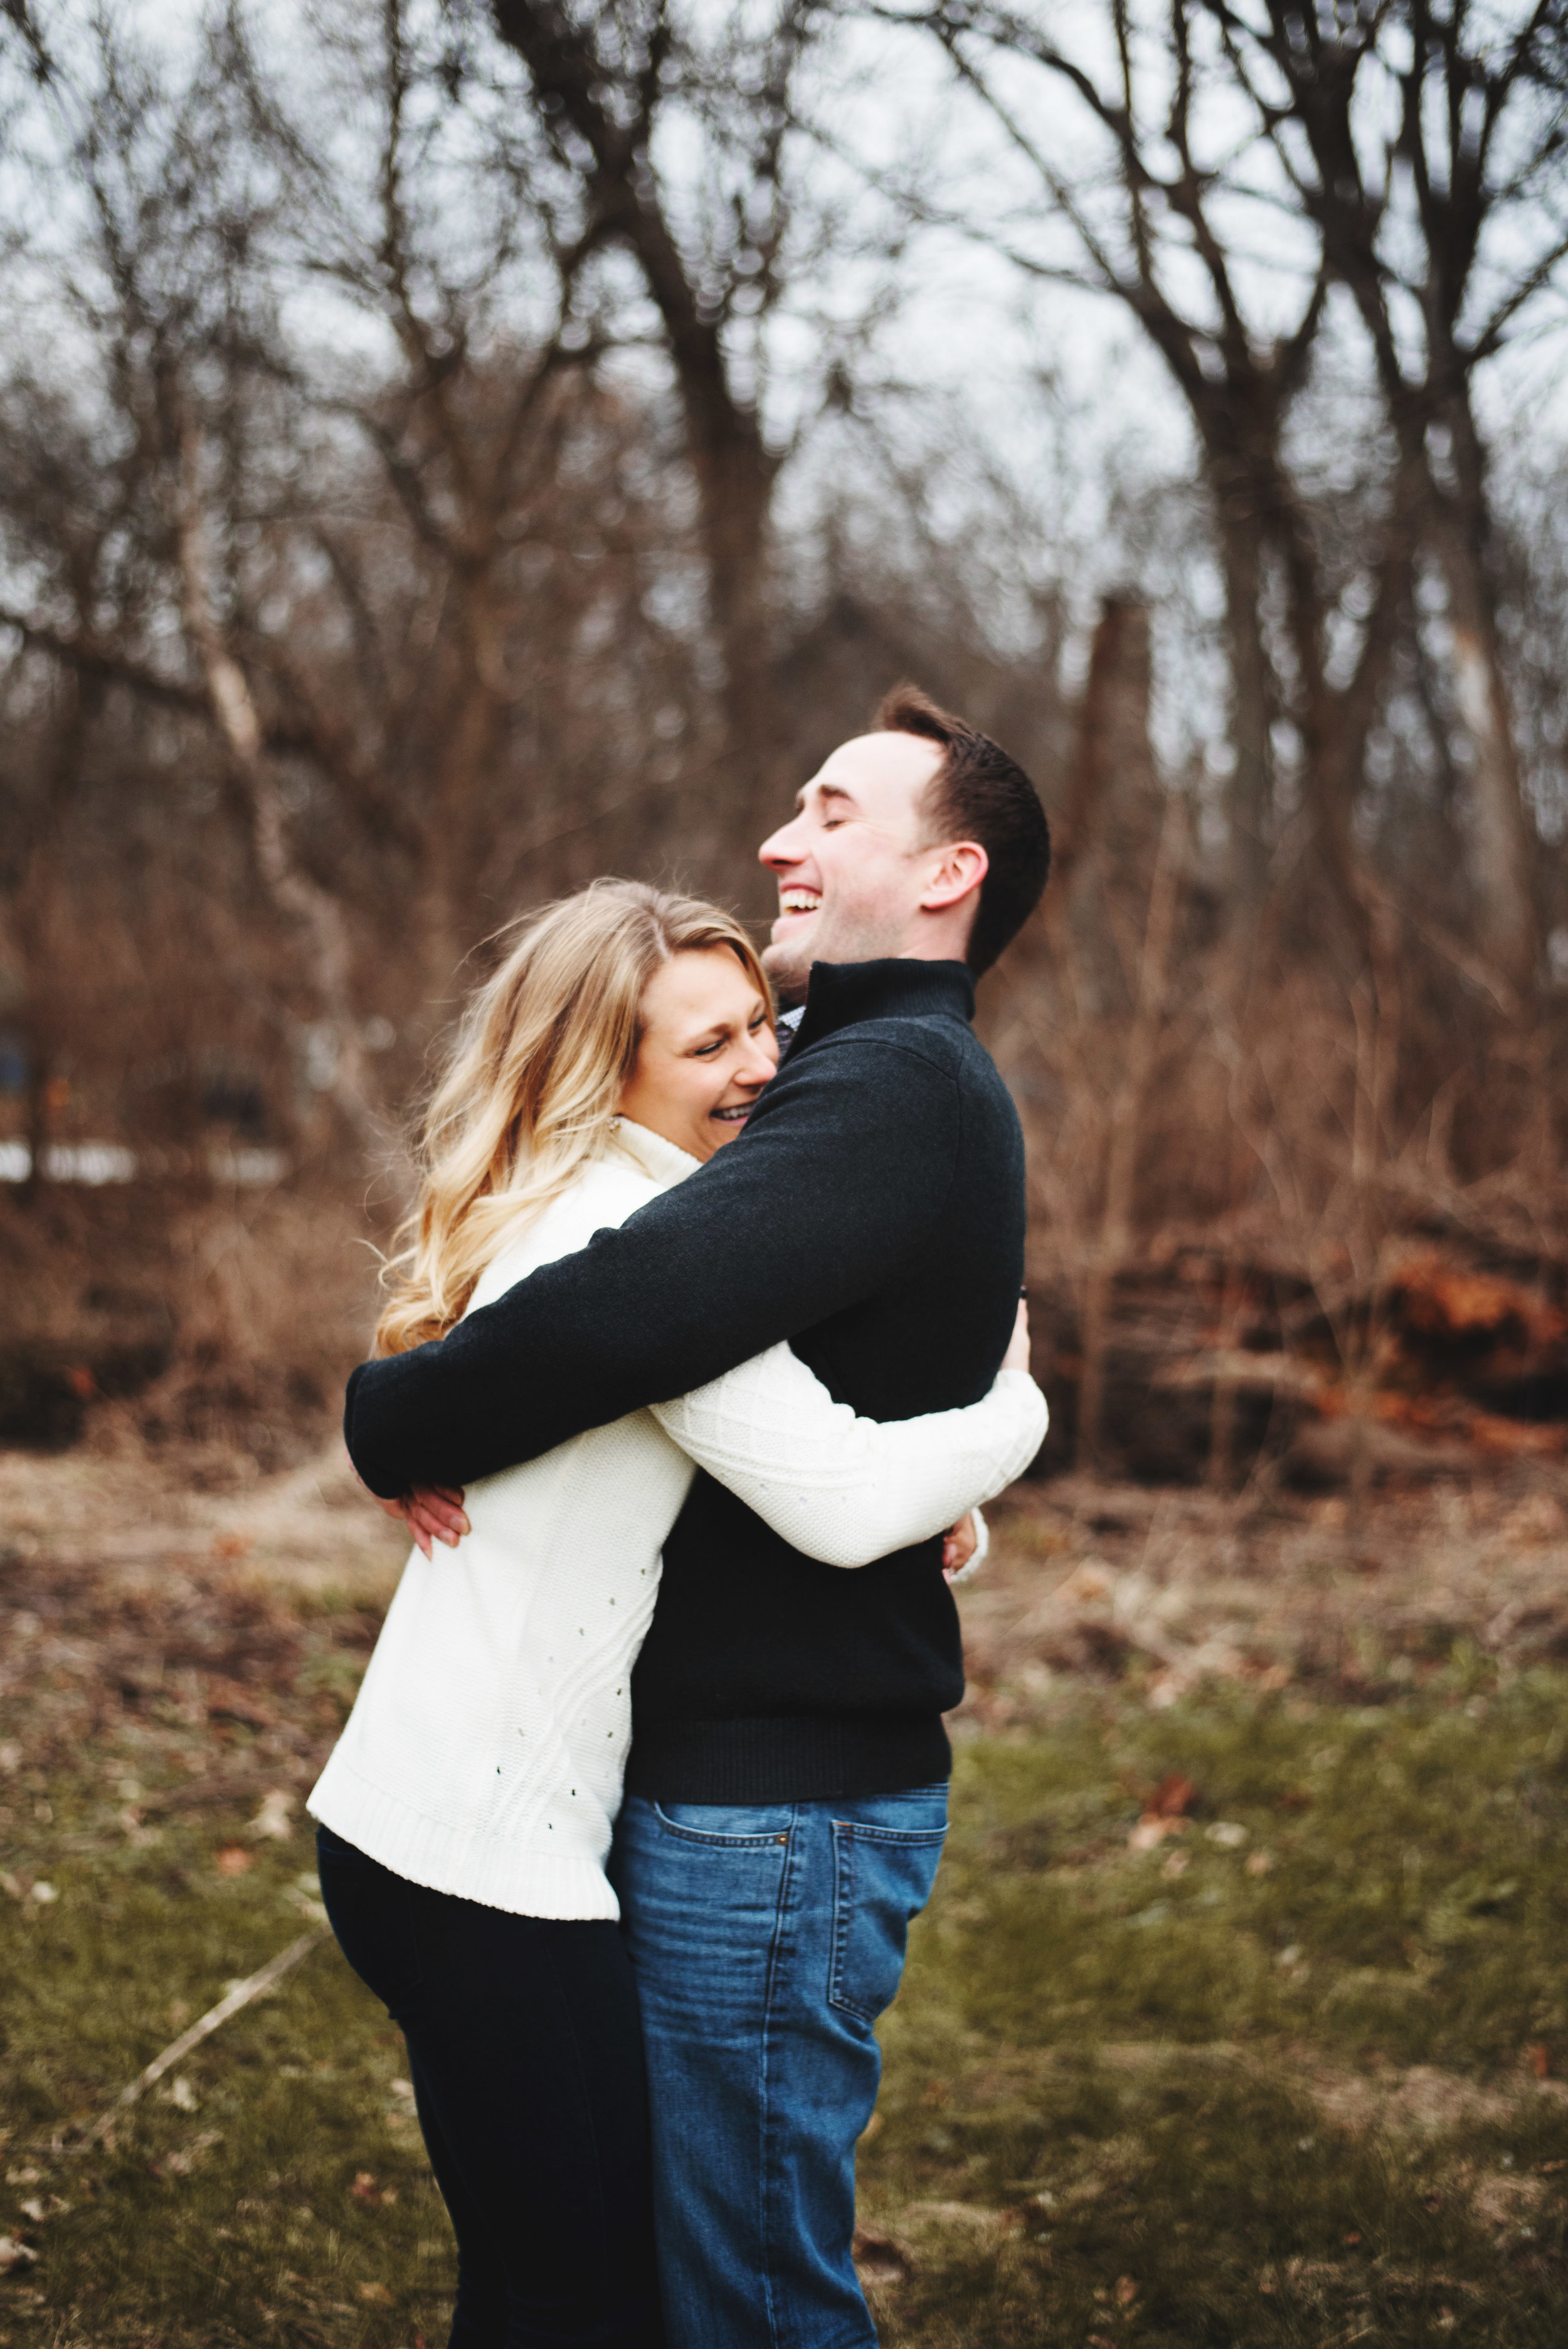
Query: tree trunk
{"type": "Point", "coordinates": [32, 919]}
{"type": "Point", "coordinates": [1126, 1121]}
{"type": "Point", "coordinates": [452, 915]}
{"type": "Point", "coordinates": [734, 470]}
{"type": "Point", "coordinates": [292, 891]}
{"type": "Point", "coordinates": [1503, 831]}
{"type": "Point", "coordinates": [1111, 790]}
{"type": "Point", "coordinates": [1247, 787]}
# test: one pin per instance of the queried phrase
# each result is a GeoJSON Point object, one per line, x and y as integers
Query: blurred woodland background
{"type": "Point", "coordinates": [449, 451]}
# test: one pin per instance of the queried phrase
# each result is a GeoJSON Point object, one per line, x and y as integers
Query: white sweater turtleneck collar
{"type": "Point", "coordinates": [663, 1162]}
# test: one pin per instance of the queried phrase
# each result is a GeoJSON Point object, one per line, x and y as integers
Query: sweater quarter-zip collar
{"type": "Point", "coordinates": [841, 994]}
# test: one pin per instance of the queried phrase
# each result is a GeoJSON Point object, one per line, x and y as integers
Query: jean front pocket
{"type": "Point", "coordinates": [882, 1877]}
{"type": "Point", "coordinates": [736, 1827]}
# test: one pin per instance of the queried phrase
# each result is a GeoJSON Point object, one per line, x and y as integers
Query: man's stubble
{"type": "Point", "coordinates": [865, 939]}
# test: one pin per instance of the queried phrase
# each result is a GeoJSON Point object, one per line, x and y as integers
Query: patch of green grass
{"type": "Point", "coordinates": [1273, 2086]}
{"type": "Point", "coordinates": [222, 2209]}
{"type": "Point", "coordinates": [1165, 2096]}
{"type": "Point", "coordinates": [1413, 1895]}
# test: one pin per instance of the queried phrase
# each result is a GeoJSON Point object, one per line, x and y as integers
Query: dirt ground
{"type": "Point", "coordinates": [144, 1514]}
{"type": "Point", "coordinates": [1172, 1584]}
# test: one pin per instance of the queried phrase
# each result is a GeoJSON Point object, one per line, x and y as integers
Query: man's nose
{"type": "Point", "coordinates": [778, 848]}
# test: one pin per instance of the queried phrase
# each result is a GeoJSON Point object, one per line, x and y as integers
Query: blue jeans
{"type": "Point", "coordinates": [767, 1940]}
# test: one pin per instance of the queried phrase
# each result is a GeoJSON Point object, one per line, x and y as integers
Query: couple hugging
{"type": "Point", "coordinates": [706, 1341]}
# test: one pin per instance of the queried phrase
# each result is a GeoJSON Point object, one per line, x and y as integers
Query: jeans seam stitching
{"type": "Point", "coordinates": [843, 1898]}
{"type": "Point", "coordinates": [889, 1835]}
{"type": "Point", "coordinates": [781, 1911]}
{"type": "Point", "coordinates": [704, 1836]}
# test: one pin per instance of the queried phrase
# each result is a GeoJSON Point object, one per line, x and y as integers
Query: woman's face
{"type": "Point", "coordinates": [707, 1050]}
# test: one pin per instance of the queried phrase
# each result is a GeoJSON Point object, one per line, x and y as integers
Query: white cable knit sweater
{"type": "Point", "coordinates": [484, 1755]}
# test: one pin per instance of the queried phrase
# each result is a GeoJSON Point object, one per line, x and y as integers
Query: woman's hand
{"type": "Point", "coordinates": [959, 1544]}
{"type": "Point", "coordinates": [432, 1513]}
{"type": "Point", "coordinates": [961, 1541]}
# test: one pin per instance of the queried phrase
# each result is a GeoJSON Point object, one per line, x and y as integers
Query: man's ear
{"type": "Point", "coordinates": [957, 869]}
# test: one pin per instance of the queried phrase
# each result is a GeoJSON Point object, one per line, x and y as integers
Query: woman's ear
{"type": "Point", "coordinates": [957, 868]}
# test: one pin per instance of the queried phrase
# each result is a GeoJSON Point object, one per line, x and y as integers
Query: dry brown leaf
{"type": "Point", "coordinates": [227, 1701]}
{"type": "Point", "coordinates": [1152, 1831]}
{"type": "Point", "coordinates": [182, 2162]}
{"type": "Point", "coordinates": [273, 1819]}
{"type": "Point", "coordinates": [1173, 1795]}
{"type": "Point", "coordinates": [365, 2189]}
{"type": "Point", "coordinates": [881, 2258]}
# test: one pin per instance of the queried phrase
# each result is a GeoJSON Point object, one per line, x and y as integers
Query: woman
{"type": "Point", "coordinates": [465, 1813]}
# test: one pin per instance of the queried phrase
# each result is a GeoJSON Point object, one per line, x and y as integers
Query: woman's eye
{"type": "Point", "coordinates": [706, 1051]}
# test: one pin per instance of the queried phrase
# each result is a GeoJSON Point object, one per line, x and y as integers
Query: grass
{"type": "Point", "coordinates": [1274, 2080]}
{"type": "Point", "coordinates": [1288, 2076]}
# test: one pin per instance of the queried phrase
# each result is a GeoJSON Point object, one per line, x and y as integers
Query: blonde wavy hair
{"type": "Point", "coordinates": [532, 1084]}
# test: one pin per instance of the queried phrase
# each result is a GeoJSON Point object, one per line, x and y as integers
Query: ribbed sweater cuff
{"type": "Point", "coordinates": [786, 1758]}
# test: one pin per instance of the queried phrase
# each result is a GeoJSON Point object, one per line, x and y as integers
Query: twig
{"type": "Point", "coordinates": [240, 1995]}
{"type": "Point", "coordinates": [202, 1794]}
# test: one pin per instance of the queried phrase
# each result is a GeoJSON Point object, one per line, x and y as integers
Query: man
{"type": "Point", "coordinates": [786, 1789]}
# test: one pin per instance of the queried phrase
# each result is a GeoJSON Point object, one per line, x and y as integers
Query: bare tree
{"type": "Point", "coordinates": [1207, 116]}
{"type": "Point", "coordinates": [602, 84]}
{"type": "Point", "coordinates": [1145, 227]}
{"type": "Point", "coordinates": [1441, 222]}
{"type": "Point", "coordinates": [378, 585]}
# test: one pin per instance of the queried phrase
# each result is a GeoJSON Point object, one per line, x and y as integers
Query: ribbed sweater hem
{"type": "Point", "coordinates": [445, 1857]}
{"type": "Point", "coordinates": [786, 1758]}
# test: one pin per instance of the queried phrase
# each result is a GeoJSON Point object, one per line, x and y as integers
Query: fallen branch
{"type": "Point", "coordinates": [219, 1793]}
{"type": "Point", "coordinates": [240, 1996]}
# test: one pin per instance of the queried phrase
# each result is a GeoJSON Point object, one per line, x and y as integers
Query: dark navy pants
{"type": "Point", "coordinates": [526, 2056]}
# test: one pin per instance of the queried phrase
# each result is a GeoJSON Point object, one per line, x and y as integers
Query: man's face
{"type": "Point", "coordinates": [854, 863]}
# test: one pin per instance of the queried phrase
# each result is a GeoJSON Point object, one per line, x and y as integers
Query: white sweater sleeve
{"type": "Point", "coordinates": [847, 1490]}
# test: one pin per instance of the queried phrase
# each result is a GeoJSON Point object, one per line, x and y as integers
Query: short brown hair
{"type": "Point", "coordinates": [980, 793]}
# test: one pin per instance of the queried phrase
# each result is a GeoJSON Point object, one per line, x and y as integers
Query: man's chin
{"type": "Point", "coordinates": [788, 962]}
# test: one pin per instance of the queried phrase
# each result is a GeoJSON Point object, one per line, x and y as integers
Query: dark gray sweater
{"type": "Point", "coordinates": [872, 1214]}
